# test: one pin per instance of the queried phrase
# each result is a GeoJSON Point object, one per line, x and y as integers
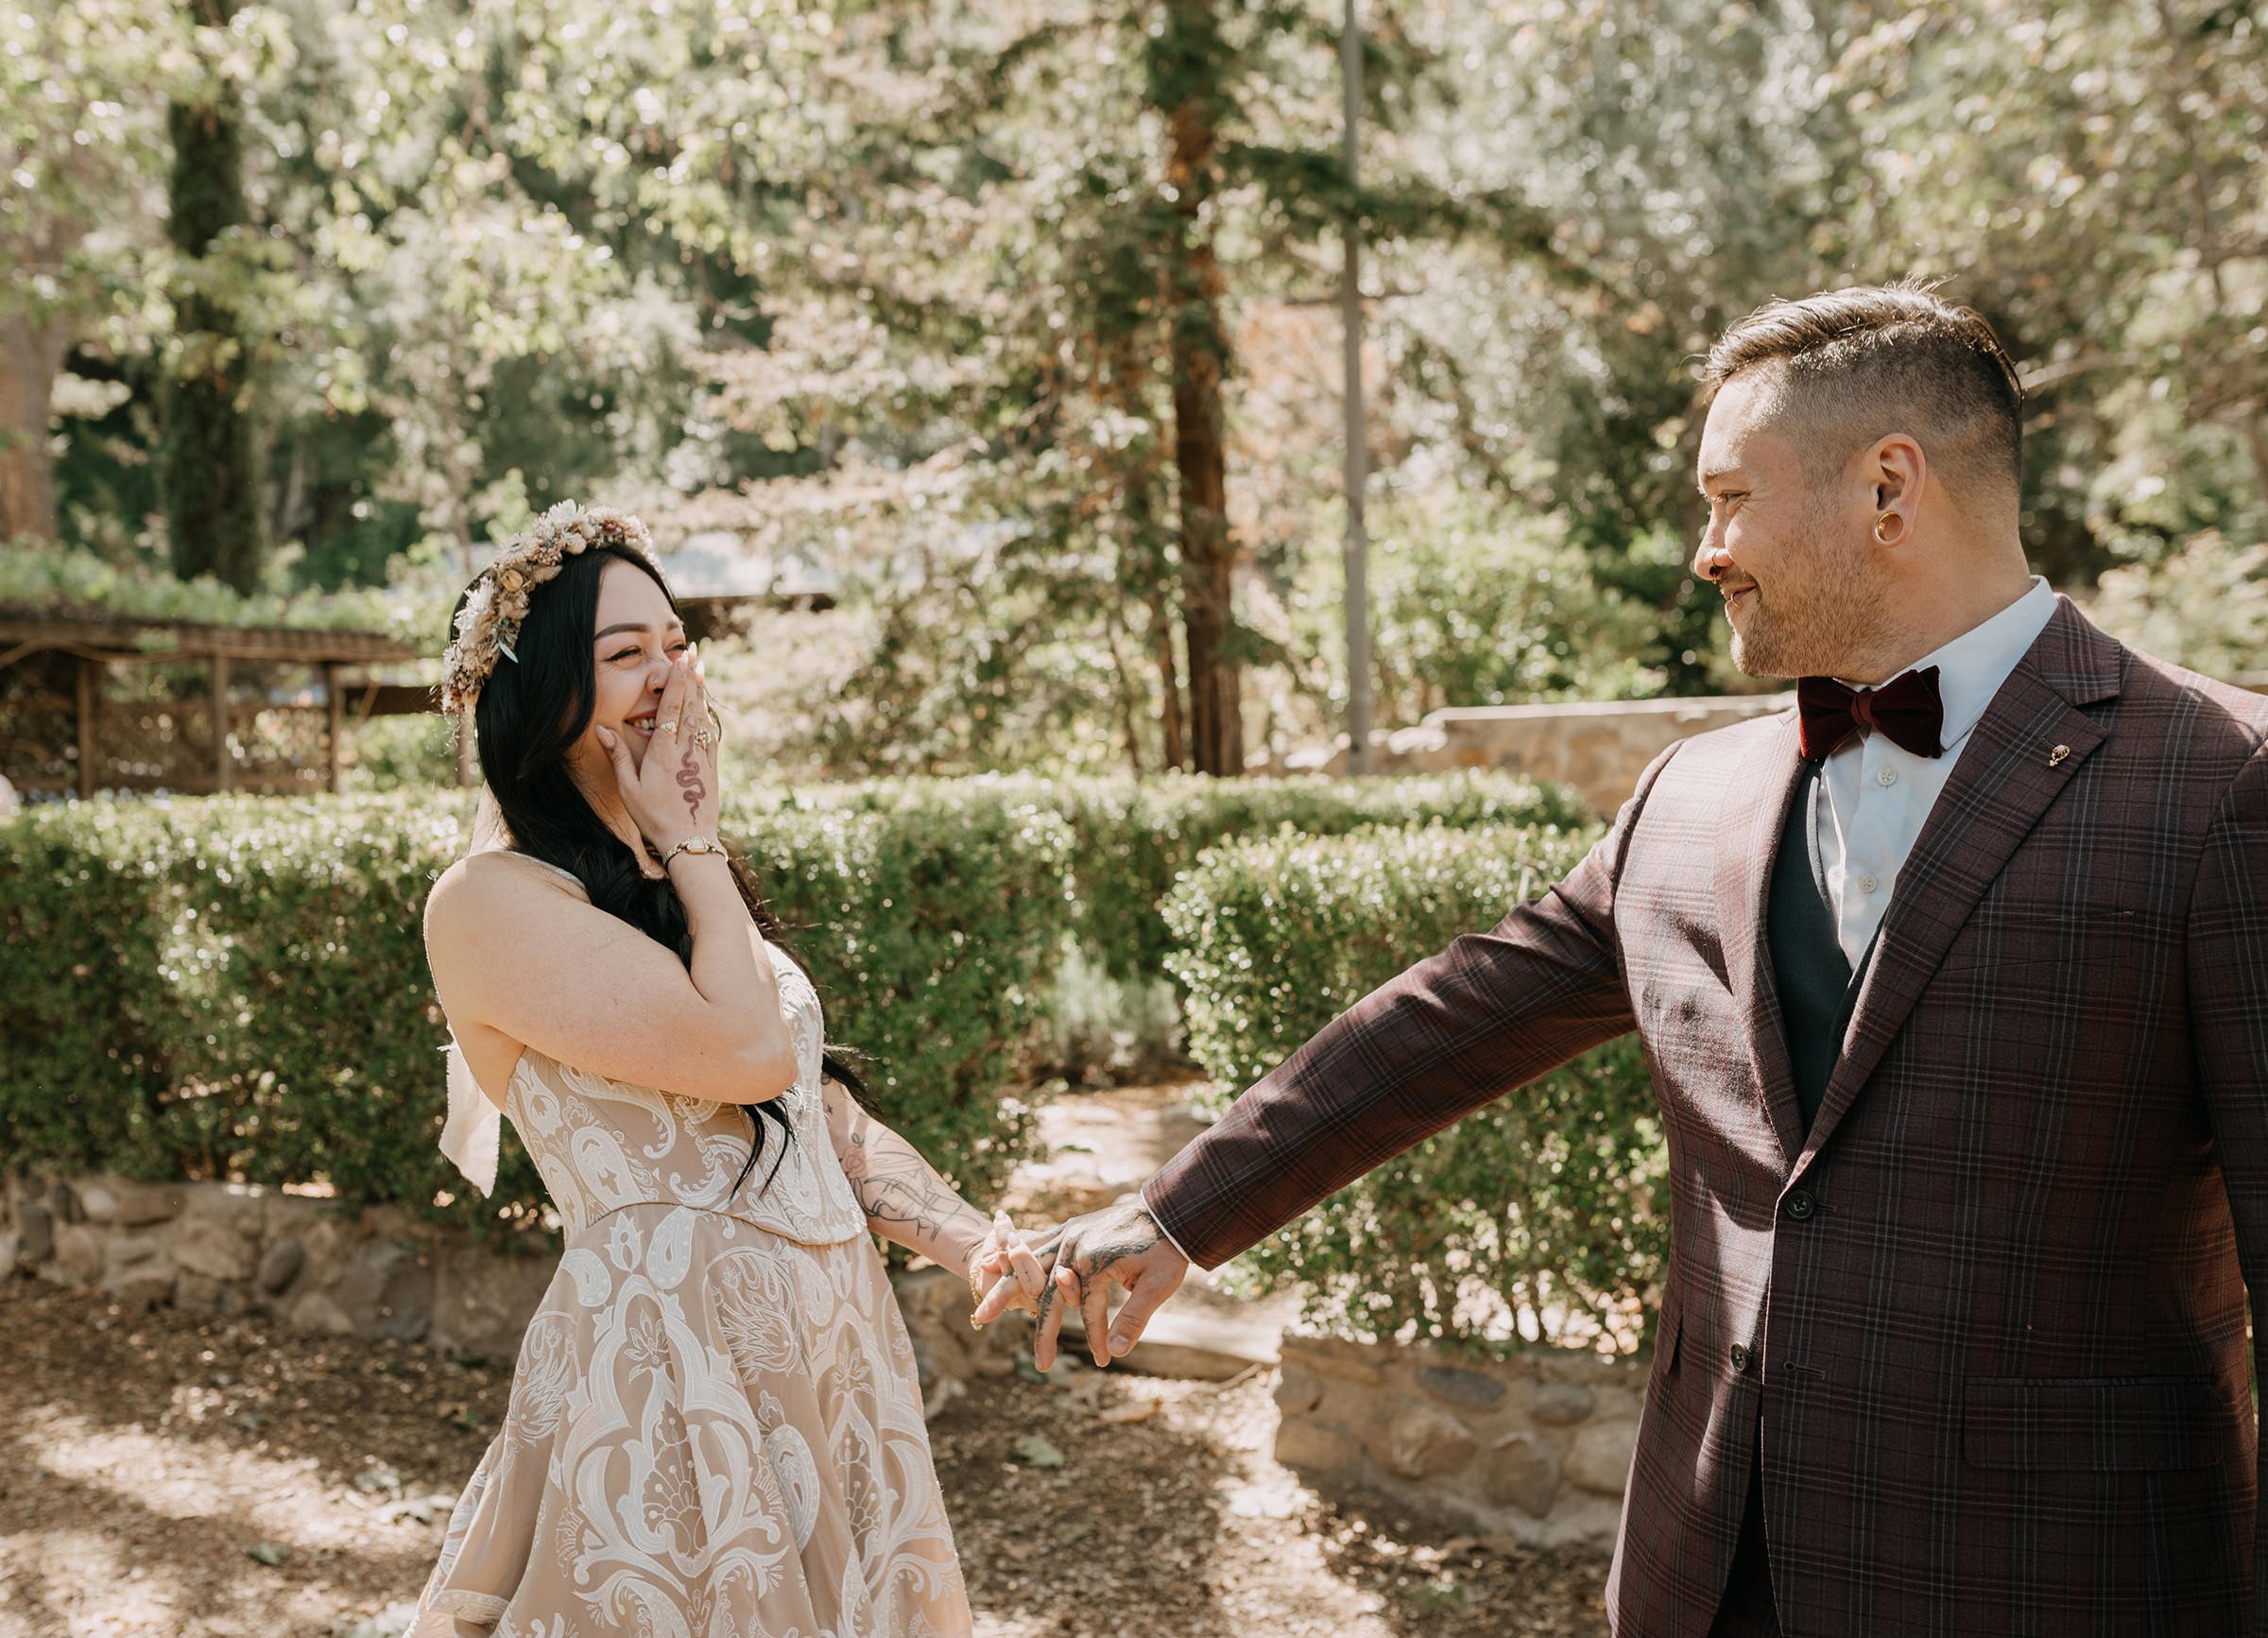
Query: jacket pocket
{"type": "Point", "coordinates": [2096, 1423]}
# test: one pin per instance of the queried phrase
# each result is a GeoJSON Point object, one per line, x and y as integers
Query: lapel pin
{"type": "Point", "coordinates": [2058, 754]}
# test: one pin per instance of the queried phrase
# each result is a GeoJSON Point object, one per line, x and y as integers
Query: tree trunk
{"type": "Point", "coordinates": [211, 473]}
{"type": "Point", "coordinates": [31, 356]}
{"type": "Point", "coordinates": [1169, 684]}
{"type": "Point", "coordinates": [1190, 56]}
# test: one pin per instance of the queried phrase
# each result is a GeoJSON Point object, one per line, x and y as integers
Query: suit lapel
{"type": "Point", "coordinates": [1756, 812]}
{"type": "Point", "coordinates": [2007, 776]}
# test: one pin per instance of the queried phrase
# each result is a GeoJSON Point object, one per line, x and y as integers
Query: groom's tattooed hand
{"type": "Point", "coordinates": [1121, 1245]}
{"type": "Point", "coordinates": [1098, 1261]}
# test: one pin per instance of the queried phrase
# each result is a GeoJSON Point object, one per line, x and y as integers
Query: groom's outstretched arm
{"type": "Point", "coordinates": [1491, 1012]}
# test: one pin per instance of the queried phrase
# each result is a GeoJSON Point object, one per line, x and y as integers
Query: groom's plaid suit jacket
{"type": "Point", "coordinates": [1992, 1305]}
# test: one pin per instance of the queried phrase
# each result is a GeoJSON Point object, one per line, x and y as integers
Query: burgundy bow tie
{"type": "Point", "coordinates": [1906, 708]}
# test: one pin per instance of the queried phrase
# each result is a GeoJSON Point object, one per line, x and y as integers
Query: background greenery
{"type": "Point", "coordinates": [1014, 324]}
{"type": "Point", "coordinates": [236, 987]}
{"type": "Point", "coordinates": [1545, 1215]}
{"type": "Point", "coordinates": [1012, 329]}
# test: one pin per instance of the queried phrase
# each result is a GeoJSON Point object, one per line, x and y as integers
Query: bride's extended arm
{"type": "Point", "coordinates": [908, 1202]}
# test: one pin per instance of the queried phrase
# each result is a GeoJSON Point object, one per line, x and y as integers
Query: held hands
{"type": "Point", "coordinates": [1120, 1244]}
{"type": "Point", "coordinates": [672, 791]}
{"type": "Point", "coordinates": [1003, 1267]}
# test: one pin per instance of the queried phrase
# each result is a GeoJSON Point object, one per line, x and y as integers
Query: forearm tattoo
{"type": "Point", "coordinates": [901, 1193]}
{"type": "Point", "coordinates": [689, 780]}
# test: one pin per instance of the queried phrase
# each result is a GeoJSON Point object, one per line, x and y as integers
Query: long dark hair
{"type": "Point", "coordinates": [528, 712]}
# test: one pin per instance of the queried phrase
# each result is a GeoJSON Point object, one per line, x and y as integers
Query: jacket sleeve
{"type": "Point", "coordinates": [2229, 1023]}
{"type": "Point", "coordinates": [1489, 1013]}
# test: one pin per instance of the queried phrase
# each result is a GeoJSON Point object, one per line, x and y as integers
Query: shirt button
{"type": "Point", "coordinates": [1868, 884]}
{"type": "Point", "coordinates": [1885, 777]}
{"type": "Point", "coordinates": [1740, 1358]}
{"type": "Point", "coordinates": [1800, 1205]}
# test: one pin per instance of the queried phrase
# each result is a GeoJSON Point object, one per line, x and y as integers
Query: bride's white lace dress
{"type": "Point", "coordinates": [716, 1429]}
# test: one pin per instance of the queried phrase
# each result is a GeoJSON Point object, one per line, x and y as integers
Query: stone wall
{"type": "Point", "coordinates": [1598, 746]}
{"type": "Point", "coordinates": [378, 1272]}
{"type": "Point", "coordinates": [1534, 1448]}
{"type": "Point", "coordinates": [229, 1249]}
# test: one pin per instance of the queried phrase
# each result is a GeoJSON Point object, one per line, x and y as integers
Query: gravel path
{"type": "Point", "coordinates": [163, 1475]}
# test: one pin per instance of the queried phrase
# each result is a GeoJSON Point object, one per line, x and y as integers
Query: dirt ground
{"type": "Point", "coordinates": [163, 1475]}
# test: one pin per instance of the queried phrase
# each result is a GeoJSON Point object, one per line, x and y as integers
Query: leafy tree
{"type": "Point", "coordinates": [211, 477]}
{"type": "Point", "coordinates": [82, 146]}
{"type": "Point", "coordinates": [2092, 175]}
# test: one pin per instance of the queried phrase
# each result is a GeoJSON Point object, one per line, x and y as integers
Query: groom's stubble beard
{"type": "Point", "coordinates": [1822, 619]}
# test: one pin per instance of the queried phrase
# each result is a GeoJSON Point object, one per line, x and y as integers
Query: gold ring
{"type": "Point", "coordinates": [665, 727]}
{"type": "Point", "coordinates": [702, 735]}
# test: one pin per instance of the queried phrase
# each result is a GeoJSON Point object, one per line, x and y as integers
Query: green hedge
{"type": "Point", "coordinates": [1549, 1207]}
{"type": "Point", "coordinates": [237, 987]}
{"type": "Point", "coordinates": [219, 987]}
{"type": "Point", "coordinates": [1136, 837]}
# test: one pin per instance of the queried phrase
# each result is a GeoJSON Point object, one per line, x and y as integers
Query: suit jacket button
{"type": "Point", "coordinates": [1740, 1357]}
{"type": "Point", "coordinates": [1800, 1205]}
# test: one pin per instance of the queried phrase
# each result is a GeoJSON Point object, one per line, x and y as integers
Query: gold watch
{"type": "Point", "coordinates": [692, 845]}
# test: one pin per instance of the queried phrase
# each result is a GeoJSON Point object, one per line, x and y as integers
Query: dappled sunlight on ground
{"type": "Point", "coordinates": [152, 1464]}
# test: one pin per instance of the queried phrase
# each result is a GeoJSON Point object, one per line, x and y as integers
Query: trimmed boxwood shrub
{"type": "Point", "coordinates": [82, 1078]}
{"type": "Point", "coordinates": [1547, 1210]}
{"type": "Point", "coordinates": [237, 986]}
{"type": "Point", "coordinates": [1136, 837]}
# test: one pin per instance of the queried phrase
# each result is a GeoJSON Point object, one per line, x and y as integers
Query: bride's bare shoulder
{"type": "Point", "coordinates": [492, 885]}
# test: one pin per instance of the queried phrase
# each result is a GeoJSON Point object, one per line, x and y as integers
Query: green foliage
{"type": "Point", "coordinates": [65, 580]}
{"type": "Point", "coordinates": [412, 752]}
{"type": "Point", "coordinates": [1135, 838]}
{"type": "Point", "coordinates": [83, 1079]}
{"type": "Point", "coordinates": [1473, 601]}
{"type": "Point", "coordinates": [2204, 605]}
{"type": "Point", "coordinates": [1547, 1211]}
{"type": "Point", "coordinates": [237, 987]}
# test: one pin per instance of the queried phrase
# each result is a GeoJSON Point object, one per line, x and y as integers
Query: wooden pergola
{"type": "Point", "coordinates": [84, 647]}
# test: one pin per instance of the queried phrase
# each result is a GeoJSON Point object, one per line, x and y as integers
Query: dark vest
{"type": "Point", "coordinates": [1816, 985]}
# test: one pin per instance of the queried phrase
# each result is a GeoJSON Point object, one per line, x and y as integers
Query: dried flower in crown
{"type": "Point", "coordinates": [487, 623]}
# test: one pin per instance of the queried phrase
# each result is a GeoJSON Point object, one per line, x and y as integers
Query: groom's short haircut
{"type": "Point", "coordinates": [1860, 364]}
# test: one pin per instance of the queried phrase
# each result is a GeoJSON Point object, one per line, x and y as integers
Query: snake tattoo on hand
{"type": "Point", "coordinates": [688, 778]}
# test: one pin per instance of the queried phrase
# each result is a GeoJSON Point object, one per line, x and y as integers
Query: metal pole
{"type": "Point", "coordinates": [90, 692]}
{"type": "Point", "coordinates": [220, 722]}
{"type": "Point", "coordinates": [1351, 307]}
{"type": "Point", "coordinates": [333, 740]}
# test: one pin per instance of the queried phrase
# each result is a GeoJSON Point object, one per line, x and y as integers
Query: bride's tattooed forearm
{"type": "Point", "coordinates": [901, 1193]}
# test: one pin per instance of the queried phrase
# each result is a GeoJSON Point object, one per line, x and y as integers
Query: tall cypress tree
{"type": "Point", "coordinates": [210, 482]}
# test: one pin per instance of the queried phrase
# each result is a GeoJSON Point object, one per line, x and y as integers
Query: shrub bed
{"type": "Point", "coordinates": [237, 987]}
{"type": "Point", "coordinates": [1545, 1213]}
{"type": "Point", "coordinates": [1136, 837]}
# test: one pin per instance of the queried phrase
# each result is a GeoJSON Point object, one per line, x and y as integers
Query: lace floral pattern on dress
{"type": "Point", "coordinates": [715, 1424]}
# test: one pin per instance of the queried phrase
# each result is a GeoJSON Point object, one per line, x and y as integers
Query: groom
{"type": "Point", "coordinates": [1954, 985]}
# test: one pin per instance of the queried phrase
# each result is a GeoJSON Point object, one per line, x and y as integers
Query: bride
{"type": "Point", "coordinates": [714, 1426]}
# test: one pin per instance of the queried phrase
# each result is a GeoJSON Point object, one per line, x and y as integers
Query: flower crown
{"type": "Point", "coordinates": [489, 623]}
